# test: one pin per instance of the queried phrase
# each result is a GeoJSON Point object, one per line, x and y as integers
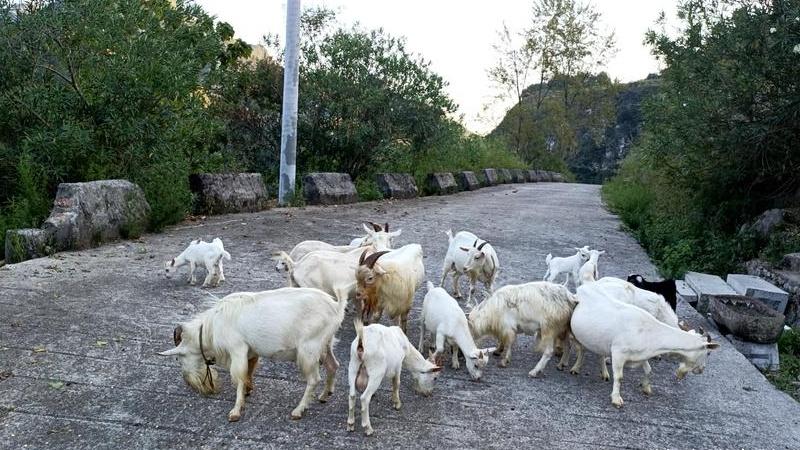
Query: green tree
{"type": "Point", "coordinates": [91, 89]}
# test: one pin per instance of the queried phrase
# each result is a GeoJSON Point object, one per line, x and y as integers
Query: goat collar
{"type": "Point", "coordinates": [209, 361]}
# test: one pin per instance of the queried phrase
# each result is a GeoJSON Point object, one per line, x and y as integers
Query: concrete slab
{"type": "Point", "coordinates": [705, 285]}
{"type": "Point", "coordinates": [753, 286]}
{"type": "Point", "coordinates": [79, 334]}
{"type": "Point", "coordinates": [763, 356]}
{"type": "Point", "coordinates": [685, 292]}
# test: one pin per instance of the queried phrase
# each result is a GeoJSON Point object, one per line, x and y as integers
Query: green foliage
{"type": "Point", "coordinates": [787, 378]}
{"type": "Point", "coordinates": [91, 89]}
{"type": "Point", "coordinates": [368, 190]}
{"type": "Point", "coordinates": [719, 145]}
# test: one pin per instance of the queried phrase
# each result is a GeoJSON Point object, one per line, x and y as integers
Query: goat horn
{"type": "Point", "coordinates": [363, 255]}
{"type": "Point", "coordinates": [386, 227]}
{"type": "Point", "coordinates": [375, 226]}
{"type": "Point", "coordinates": [475, 244]}
{"type": "Point", "coordinates": [371, 259]}
{"type": "Point", "coordinates": [480, 247]}
{"type": "Point", "coordinates": [177, 335]}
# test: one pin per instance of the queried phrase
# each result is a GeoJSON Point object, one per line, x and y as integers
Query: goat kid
{"type": "Point", "coordinates": [442, 316]}
{"type": "Point", "coordinates": [380, 352]}
{"type": "Point", "coordinates": [290, 324]}
{"type": "Point", "coordinates": [569, 265]}
{"type": "Point", "coordinates": [207, 254]}
{"type": "Point", "coordinates": [538, 308]}
{"type": "Point", "coordinates": [589, 271]}
{"type": "Point", "coordinates": [331, 272]}
{"type": "Point", "coordinates": [467, 254]}
{"type": "Point", "coordinates": [632, 336]}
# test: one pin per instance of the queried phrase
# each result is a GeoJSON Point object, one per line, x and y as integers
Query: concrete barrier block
{"type": "Point", "coordinates": [222, 193]}
{"type": "Point", "coordinates": [504, 176]}
{"type": "Point", "coordinates": [490, 175]}
{"type": "Point", "coordinates": [397, 185]}
{"type": "Point", "coordinates": [441, 183]}
{"type": "Point", "coordinates": [329, 188]}
{"type": "Point", "coordinates": [685, 292]}
{"type": "Point", "coordinates": [706, 285]}
{"type": "Point", "coordinates": [763, 356]}
{"type": "Point", "coordinates": [753, 286]}
{"type": "Point", "coordinates": [467, 181]}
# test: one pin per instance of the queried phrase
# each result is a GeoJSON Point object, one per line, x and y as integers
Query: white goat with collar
{"type": "Point", "coordinates": [290, 324]}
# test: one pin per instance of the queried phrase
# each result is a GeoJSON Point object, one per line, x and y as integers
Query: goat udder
{"type": "Point", "coordinates": [361, 378]}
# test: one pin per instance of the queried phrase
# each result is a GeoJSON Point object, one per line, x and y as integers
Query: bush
{"type": "Point", "coordinates": [787, 378]}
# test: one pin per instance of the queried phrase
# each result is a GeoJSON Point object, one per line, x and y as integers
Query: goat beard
{"type": "Point", "coordinates": [202, 384]}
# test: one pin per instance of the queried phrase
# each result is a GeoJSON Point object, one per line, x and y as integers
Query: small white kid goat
{"type": "Point", "coordinates": [631, 336]}
{"type": "Point", "coordinates": [538, 308]}
{"type": "Point", "coordinates": [380, 352]}
{"type": "Point", "coordinates": [467, 254]}
{"type": "Point", "coordinates": [569, 265]}
{"type": "Point", "coordinates": [207, 254]}
{"type": "Point", "coordinates": [589, 271]}
{"type": "Point", "coordinates": [442, 316]}
{"type": "Point", "coordinates": [290, 324]}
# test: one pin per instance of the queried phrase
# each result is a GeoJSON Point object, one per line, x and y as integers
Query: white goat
{"type": "Point", "coordinates": [569, 265]}
{"type": "Point", "coordinates": [442, 315]}
{"type": "Point", "coordinates": [207, 254]}
{"type": "Point", "coordinates": [294, 324]}
{"type": "Point", "coordinates": [389, 284]}
{"type": "Point", "coordinates": [539, 308]}
{"type": "Point", "coordinates": [467, 254]}
{"type": "Point", "coordinates": [331, 272]}
{"type": "Point", "coordinates": [380, 352]}
{"type": "Point", "coordinates": [588, 271]}
{"type": "Point", "coordinates": [630, 335]}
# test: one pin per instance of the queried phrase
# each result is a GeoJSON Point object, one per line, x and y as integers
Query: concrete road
{"type": "Point", "coordinates": [79, 334]}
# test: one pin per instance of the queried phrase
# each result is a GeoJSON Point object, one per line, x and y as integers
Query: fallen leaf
{"type": "Point", "coordinates": [40, 349]}
{"type": "Point", "coordinates": [101, 343]}
{"type": "Point", "coordinates": [56, 384]}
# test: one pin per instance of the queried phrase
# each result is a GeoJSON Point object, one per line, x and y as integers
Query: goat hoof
{"type": "Point", "coordinates": [398, 405]}
{"type": "Point", "coordinates": [369, 431]}
{"type": "Point", "coordinates": [297, 415]}
{"type": "Point", "coordinates": [560, 367]}
{"type": "Point", "coordinates": [234, 417]}
{"type": "Point", "coordinates": [502, 364]}
{"type": "Point", "coordinates": [574, 372]}
{"type": "Point", "coordinates": [647, 390]}
{"type": "Point", "coordinates": [351, 426]}
{"type": "Point", "coordinates": [617, 402]}
{"type": "Point", "coordinates": [534, 374]}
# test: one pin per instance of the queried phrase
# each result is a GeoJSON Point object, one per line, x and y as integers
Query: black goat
{"type": "Point", "coordinates": [665, 288]}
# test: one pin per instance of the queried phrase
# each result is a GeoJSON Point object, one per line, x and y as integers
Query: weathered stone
{"type": "Point", "coordinates": [752, 286]}
{"type": "Point", "coordinates": [791, 262]}
{"type": "Point", "coordinates": [467, 181]}
{"type": "Point", "coordinates": [504, 176]}
{"type": "Point", "coordinates": [440, 183]}
{"type": "Point", "coordinates": [397, 185]}
{"type": "Point", "coordinates": [329, 188]}
{"type": "Point", "coordinates": [85, 215]}
{"type": "Point", "coordinates": [685, 292]}
{"type": "Point", "coordinates": [787, 280]}
{"type": "Point", "coordinates": [706, 285]}
{"type": "Point", "coordinates": [518, 176]}
{"type": "Point", "coordinates": [746, 318]}
{"type": "Point", "coordinates": [27, 243]}
{"type": "Point", "coordinates": [530, 176]}
{"type": "Point", "coordinates": [490, 177]}
{"type": "Point", "coordinates": [546, 175]}
{"type": "Point", "coordinates": [557, 177]}
{"type": "Point", "coordinates": [763, 356]}
{"type": "Point", "coordinates": [222, 193]}
{"type": "Point", "coordinates": [766, 222]}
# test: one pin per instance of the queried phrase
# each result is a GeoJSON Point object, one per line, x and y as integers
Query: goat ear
{"type": "Point", "coordinates": [177, 335]}
{"type": "Point", "coordinates": [378, 269]}
{"type": "Point", "coordinates": [369, 230]}
{"type": "Point", "coordinates": [701, 330]}
{"type": "Point", "coordinates": [176, 351]}
{"type": "Point", "coordinates": [464, 248]}
{"type": "Point", "coordinates": [601, 252]}
{"type": "Point", "coordinates": [433, 369]}
{"type": "Point", "coordinates": [396, 233]}
{"type": "Point", "coordinates": [712, 345]}
{"type": "Point", "coordinates": [386, 227]}
{"type": "Point", "coordinates": [489, 350]}
{"type": "Point", "coordinates": [172, 263]}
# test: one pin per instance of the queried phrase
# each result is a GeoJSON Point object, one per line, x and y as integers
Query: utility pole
{"type": "Point", "coordinates": [291, 76]}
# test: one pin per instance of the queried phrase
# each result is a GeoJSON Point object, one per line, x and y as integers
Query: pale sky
{"type": "Point", "coordinates": [457, 37]}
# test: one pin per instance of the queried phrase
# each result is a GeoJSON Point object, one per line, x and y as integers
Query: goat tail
{"type": "Point", "coordinates": [430, 286]}
{"type": "Point", "coordinates": [283, 256]}
{"type": "Point", "coordinates": [359, 326]}
{"type": "Point", "coordinates": [226, 255]}
{"type": "Point", "coordinates": [548, 258]}
{"type": "Point", "coordinates": [449, 234]}
{"type": "Point", "coordinates": [342, 294]}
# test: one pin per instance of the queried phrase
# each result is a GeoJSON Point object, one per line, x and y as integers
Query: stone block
{"type": "Point", "coordinates": [490, 177]}
{"type": "Point", "coordinates": [532, 176]}
{"type": "Point", "coordinates": [440, 183]}
{"type": "Point", "coordinates": [547, 176]}
{"type": "Point", "coordinates": [27, 243]}
{"type": "Point", "coordinates": [791, 262]}
{"type": "Point", "coordinates": [397, 185]}
{"type": "Point", "coordinates": [467, 181]}
{"type": "Point", "coordinates": [518, 176]}
{"type": "Point", "coordinates": [329, 188]}
{"type": "Point", "coordinates": [706, 285]}
{"type": "Point", "coordinates": [685, 292]}
{"type": "Point", "coordinates": [503, 176]}
{"type": "Point", "coordinates": [763, 356]}
{"type": "Point", "coordinates": [87, 214]}
{"type": "Point", "coordinates": [557, 177]}
{"type": "Point", "coordinates": [221, 193]}
{"type": "Point", "coordinates": [752, 286]}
